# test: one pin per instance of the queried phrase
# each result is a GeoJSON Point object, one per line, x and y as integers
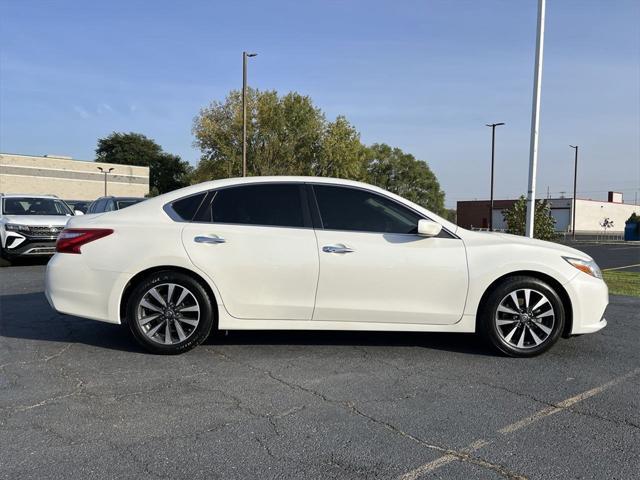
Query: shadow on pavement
{"type": "Point", "coordinates": [29, 316]}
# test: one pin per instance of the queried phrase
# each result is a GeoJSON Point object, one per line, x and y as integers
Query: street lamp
{"type": "Point", "coordinates": [245, 55]}
{"type": "Point", "coordinates": [105, 172]}
{"type": "Point", "coordinates": [575, 183]}
{"type": "Point", "coordinates": [493, 154]}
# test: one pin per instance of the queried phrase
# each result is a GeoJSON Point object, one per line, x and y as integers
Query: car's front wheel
{"type": "Point", "coordinates": [169, 312]}
{"type": "Point", "coordinates": [522, 316]}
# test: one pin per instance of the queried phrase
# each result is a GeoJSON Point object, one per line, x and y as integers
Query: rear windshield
{"type": "Point", "coordinates": [34, 206]}
{"type": "Point", "coordinates": [127, 203]}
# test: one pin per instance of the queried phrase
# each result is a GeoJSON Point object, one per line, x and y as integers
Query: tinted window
{"type": "Point", "coordinates": [127, 203]}
{"type": "Point", "coordinates": [277, 205]}
{"type": "Point", "coordinates": [34, 206]}
{"type": "Point", "coordinates": [186, 208]}
{"type": "Point", "coordinates": [343, 208]}
{"type": "Point", "coordinates": [110, 206]}
{"type": "Point", "coordinates": [99, 205]}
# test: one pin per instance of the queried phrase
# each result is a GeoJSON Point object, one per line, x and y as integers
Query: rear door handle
{"type": "Point", "coordinates": [339, 248]}
{"type": "Point", "coordinates": [209, 239]}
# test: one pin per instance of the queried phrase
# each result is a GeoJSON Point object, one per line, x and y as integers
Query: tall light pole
{"type": "Point", "coordinates": [493, 154]}
{"type": "Point", "coordinates": [535, 123]}
{"type": "Point", "coordinates": [575, 183]}
{"type": "Point", "coordinates": [245, 55]}
{"type": "Point", "coordinates": [105, 172]}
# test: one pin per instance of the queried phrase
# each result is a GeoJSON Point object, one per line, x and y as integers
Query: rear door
{"type": "Point", "coordinates": [257, 244]}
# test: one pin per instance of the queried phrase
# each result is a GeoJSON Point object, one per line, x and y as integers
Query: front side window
{"type": "Point", "coordinates": [344, 208]}
{"type": "Point", "coordinates": [34, 206]}
{"type": "Point", "coordinates": [278, 205]}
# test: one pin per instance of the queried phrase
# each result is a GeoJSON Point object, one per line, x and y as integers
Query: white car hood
{"type": "Point", "coordinates": [520, 240]}
{"type": "Point", "coordinates": [37, 220]}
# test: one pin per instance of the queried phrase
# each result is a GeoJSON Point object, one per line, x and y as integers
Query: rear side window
{"type": "Point", "coordinates": [186, 208]}
{"type": "Point", "coordinates": [278, 205]}
{"type": "Point", "coordinates": [99, 206]}
{"type": "Point", "coordinates": [351, 209]}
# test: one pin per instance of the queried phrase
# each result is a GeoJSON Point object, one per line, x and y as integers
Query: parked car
{"type": "Point", "coordinates": [109, 204]}
{"type": "Point", "coordinates": [79, 205]}
{"type": "Point", "coordinates": [301, 253]}
{"type": "Point", "coordinates": [30, 224]}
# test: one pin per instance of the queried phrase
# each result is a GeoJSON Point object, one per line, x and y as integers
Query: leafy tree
{"type": "Point", "coordinates": [404, 175]}
{"type": "Point", "coordinates": [288, 135]}
{"type": "Point", "coordinates": [341, 155]}
{"type": "Point", "coordinates": [544, 223]}
{"type": "Point", "coordinates": [167, 171]}
{"type": "Point", "coordinates": [284, 136]}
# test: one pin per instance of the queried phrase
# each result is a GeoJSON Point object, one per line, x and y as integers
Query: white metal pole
{"type": "Point", "coordinates": [535, 122]}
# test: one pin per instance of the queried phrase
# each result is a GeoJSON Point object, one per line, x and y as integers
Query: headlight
{"type": "Point", "coordinates": [587, 266]}
{"type": "Point", "coordinates": [12, 227]}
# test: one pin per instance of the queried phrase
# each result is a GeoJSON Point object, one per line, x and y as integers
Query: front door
{"type": "Point", "coordinates": [256, 243]}
{"type": "Point", "coordinates": [375, 268]}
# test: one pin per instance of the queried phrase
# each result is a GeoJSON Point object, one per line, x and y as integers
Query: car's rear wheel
{"type": "Point", "coordinates": [169, 312]}
{"type": "Point", "coordinates": [522, 316]}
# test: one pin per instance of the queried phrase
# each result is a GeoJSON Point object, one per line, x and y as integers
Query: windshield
{"type": "Point", "coordinates": [34, 206]}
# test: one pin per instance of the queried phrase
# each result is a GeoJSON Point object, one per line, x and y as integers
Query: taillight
{"type": "Point", "coordinates": [71, 239]}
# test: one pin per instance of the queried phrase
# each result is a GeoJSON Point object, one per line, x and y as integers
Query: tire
{"type": "Point", "coordinates": [183, 322]}
{"type": "Point", "coordinates": [525, 329]}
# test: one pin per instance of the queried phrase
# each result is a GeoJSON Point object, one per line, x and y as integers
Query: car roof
{"type": "Point", "coordinates": [27, 195]}
{"type": "Point", "coordinates": [119, 198]}
{"type": "Point", "coordinates": [227, 182]}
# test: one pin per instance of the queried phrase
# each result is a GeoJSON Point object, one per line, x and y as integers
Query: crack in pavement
{"type": "Point", "coordinates": [461, 455]}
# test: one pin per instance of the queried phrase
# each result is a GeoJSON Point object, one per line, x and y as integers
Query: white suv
{"type": "Point", "coordinates": [30, 224]}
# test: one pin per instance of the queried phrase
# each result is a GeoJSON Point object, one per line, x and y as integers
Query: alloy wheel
{"type": "Point", "coordinates": [168, 313]}
{"type": "Point", "coordinates": [525, 318]}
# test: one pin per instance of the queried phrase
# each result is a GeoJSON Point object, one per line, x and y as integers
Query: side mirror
{"type": "Point", "coordinates": [428, 228]}
{"type": "Point", "coordinates": [78, 212]}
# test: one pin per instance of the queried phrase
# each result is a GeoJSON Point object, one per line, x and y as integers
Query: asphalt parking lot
{"type": "Point", "coordinates": [622, 256]}
{"type": "Point", "coordinates": [80, 400]}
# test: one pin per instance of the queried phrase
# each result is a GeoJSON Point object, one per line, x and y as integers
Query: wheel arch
{"type": "Point", "coordinates": [124, 298]}
{"type": "Point", "coordinates": [557, 286]}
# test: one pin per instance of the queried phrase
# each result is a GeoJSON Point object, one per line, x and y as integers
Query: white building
{"type": "Point", "coordinates": [590, 214]}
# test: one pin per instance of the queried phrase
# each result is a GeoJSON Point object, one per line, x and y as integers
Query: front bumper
{"type": "Point", "coordinates": [589, 299]}
{"type": "Point", "coordinates": [18, 244]}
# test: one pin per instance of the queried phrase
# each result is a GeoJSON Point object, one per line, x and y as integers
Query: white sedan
{"type": "Point", "coordinates": [303, 253]}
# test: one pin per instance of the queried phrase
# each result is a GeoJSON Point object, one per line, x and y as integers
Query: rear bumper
{"type": "Point", "coordinates": [73, 288]}
{"type": "Point", "coordinates": [589, 299]}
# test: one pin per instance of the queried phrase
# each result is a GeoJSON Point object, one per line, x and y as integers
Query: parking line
{"type": "Point", "coordinates": [620, 268]}
{"type": "Point", "coordinates": [520, 424]}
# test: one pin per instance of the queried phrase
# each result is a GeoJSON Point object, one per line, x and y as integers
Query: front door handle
{"type": "Point", "coordinates": [339, 248]}
{"type": "Point", "coordinates": [209, 239]}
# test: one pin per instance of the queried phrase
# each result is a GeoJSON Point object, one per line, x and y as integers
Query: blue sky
{"type": "Point", "coordinates": [421, 75]}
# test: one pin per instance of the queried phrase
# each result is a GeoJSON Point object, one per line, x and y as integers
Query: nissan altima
{"type": "Point", "coordinates": [303, 253]}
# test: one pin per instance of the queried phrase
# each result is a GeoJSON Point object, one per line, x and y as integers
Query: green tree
{"type": "Point", "coordinates": [288, 135]}
{"type": "Point", "coordinates": [544, 223]}
{"type": "Point", "coordinates": [166, 171]}
{"type": "Point", "coordinates": [404, 175]}
{"type": "Point", "coordinates": [284, 136]}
